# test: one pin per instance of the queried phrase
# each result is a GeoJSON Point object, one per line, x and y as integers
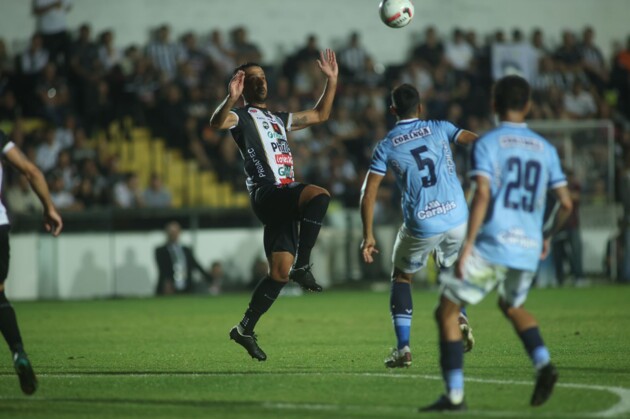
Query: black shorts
{"type": "Point", "coordinates": [4, 252]}
{"type": "Point", "coordinates": [277, 207]}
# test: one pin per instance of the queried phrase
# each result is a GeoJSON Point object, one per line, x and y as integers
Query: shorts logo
{"type": "Point", "coordinates": [412, 263]}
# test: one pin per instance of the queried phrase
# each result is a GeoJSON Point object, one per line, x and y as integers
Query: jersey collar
{"type": "Point", "coordinates": [407, 121]}
{"type": "Point", "coordinates": [514, 124]}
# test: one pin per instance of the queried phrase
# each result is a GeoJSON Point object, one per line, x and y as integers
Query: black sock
{"type": "Point", "coordinates": [311, 223]}
{"type": "Point", "coordinates": [452, 363]}
{"type": "Point", "coordinates": [8, 324]}
{"type": "Point", "coordinates": [263, 297]}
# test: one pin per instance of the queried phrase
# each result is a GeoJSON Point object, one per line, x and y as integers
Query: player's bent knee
{"type": "Point", "coordinates": [507, 309]}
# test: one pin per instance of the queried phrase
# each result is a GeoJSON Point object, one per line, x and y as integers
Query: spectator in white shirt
{"type": "Point", "coordinates": [52, 25]}
{"type": "Point", "coordinates": [458, 52]}
{"type": "Point", "coordinates": [164, 54]}
{"type": "Point", "coordinates": [108, 54]}
{"type": "Point", "coordinates": [579, 103]}
{"type": "Point", "coordinates": [47, 152]}
{"type": "Point", "coordinates": [127, 192]}
{"type": "Point", "coordinates": [35, 58]}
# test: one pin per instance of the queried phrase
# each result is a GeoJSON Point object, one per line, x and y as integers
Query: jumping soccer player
{"type": "Point", "coordinates": [279, 202]}
{"type": "Point", "coordinates": [513, 168]}
{"type": "Point", "coordinates": [52, 221]}
{"type": "Point", "coordinates": [433, 204]}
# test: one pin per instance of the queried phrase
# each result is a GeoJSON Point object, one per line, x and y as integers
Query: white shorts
{"type": "Point", "coordinates": [411, 253]}
{"type": "Point", "coordinates": [481, 277]}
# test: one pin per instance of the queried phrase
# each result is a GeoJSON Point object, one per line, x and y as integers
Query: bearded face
{"type": "Point", "coordinates": [255, 88]}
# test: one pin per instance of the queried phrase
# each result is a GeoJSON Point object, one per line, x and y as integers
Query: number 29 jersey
{"type": "Point", "coordinates": [521, 167]}
{"type": "Point", "coordinates": [419, 154]}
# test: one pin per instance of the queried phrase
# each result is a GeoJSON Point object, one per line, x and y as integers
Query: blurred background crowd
{"type": "Point", "coordinates": [80, 83]}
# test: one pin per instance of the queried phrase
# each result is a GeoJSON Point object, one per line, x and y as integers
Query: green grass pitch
{"type": "Point", "coordinates": [171, 358]}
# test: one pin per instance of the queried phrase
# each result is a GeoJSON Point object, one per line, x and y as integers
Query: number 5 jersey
{"type": "Point", "coordinates": [419, 154]}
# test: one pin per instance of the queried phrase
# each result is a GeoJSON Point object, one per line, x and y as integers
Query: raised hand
{"type": "Point", "coordinates": [328, 63]}
{"type": "Point", "coordinates": [236, 84]}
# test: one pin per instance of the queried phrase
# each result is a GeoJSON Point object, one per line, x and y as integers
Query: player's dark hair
{"type": "Point", "coordinates": [511, 93]}
{"type": "Point", "coordinates": [405, 99]}
{"type": "Point", "coordinates": [245, 66]}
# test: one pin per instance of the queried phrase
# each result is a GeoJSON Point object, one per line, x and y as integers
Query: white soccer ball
{"type": "Point", "coordinates": [396, 13]}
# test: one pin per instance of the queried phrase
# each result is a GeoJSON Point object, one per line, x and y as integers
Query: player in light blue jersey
{"type": "Point", "coordinates": [513, 168]}
{"type": "Point", "coordinates": [433, 205]}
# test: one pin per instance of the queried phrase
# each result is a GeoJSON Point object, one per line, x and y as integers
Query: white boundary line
{"type": "Point", "coordinates": [620, 408]}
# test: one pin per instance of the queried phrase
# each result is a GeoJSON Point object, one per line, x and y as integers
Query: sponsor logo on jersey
{"type": "Point", "coordinates": [415, 134]}
{"type": "Point", "coordinates": [528, 143]}
{"type": "Point", "coordinates": [265, 125]}
{"type": "Point", "coordinates": [257, 163]}
{"type": "Point", "coordinates": [276, 128]}
{"type": "Point", "coordinates": [284, 159]}
{"type": "Point", "coordinates": [435, 208]}
{"type": "Point", "coordinates": [281, 146]}
{"type": "Point", "coordinates": [517, 237]}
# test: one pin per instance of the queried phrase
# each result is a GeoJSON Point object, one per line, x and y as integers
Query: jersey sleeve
{"type": "Point", "coordinates": [286, 118]}
{"type": "Point", "coordinates": [5, 143]}
{"type": "Point", "coordinates": [379, 160]}
{"type": "Point", "coordinates": [452, 132]}
{"type": "Point", "coordinates": [557, 178]}
{"type": "Point", "coordinates": [238, 119]}
{"type": "Point", "coordinates": [480, 160]}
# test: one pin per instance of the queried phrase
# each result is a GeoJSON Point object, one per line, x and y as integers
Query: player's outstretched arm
{"type": "Point", "coordinates": [466, 137]}
{"type": "Point", "coordinates": [222, 118]}
{"type": "Point", "coordinates": [320, 113]}
{"type": "Point", "coordinates": [478, 209]}
{"type": "Point", "coordinates": [52, 219]}
{"type": "Point", "coordinates": [368, 200]}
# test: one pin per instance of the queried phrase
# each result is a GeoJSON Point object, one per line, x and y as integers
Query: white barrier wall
{"type": "Point", "coordinates": [101, 265]}
{"type": "Point", "coordinates": [283, 24]}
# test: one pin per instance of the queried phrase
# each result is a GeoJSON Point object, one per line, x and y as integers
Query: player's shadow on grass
{"type": "Point", "coordinates": [90, 280]}
{"type": "Point", "coordinates": [131, 278]}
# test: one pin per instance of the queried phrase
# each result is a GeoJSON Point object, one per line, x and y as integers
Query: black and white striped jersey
{"type": "Point", "coordinates": [5, 146]}
{"type": "Point", "coordinates": [261, 137]}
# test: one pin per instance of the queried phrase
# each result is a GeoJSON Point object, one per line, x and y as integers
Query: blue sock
{"type": "Point", "coordinates": [401, 307]}
{"type": "Point", "coordinates": [452, 363]}
{"type": "Point", "coordinates": [463, 311]}
{"type": "Point", "coordinates": [535, 347]}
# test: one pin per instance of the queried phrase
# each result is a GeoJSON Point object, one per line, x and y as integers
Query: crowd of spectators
{"type": "Point", "coordinates": [79, 85]}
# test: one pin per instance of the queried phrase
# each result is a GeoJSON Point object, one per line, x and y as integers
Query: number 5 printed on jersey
{"type": "Point", "coordinates": [425, 163]}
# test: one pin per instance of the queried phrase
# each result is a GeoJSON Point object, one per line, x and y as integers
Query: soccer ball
{"type": "Point", "coordinates": [396, 13]}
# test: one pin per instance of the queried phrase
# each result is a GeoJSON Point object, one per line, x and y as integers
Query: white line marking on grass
{"type": "Point", "coordinates": [620, 408]}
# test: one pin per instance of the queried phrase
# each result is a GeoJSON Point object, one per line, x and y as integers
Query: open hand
{"type": "Point", "coordinates": [236, 84]}
{"type": "Point", "coordinates": [328, 63]}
